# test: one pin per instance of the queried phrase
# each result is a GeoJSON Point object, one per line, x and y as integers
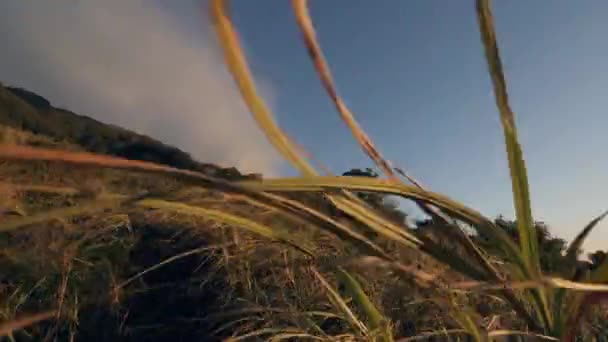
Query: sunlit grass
{"type": "Point", "coordinates": [546, 306]}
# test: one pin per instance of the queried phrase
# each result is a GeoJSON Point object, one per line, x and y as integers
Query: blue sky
{"type": "Point", "coordinates": [412, 71]}
{"type": "Point", "coordinates": [413, 74]}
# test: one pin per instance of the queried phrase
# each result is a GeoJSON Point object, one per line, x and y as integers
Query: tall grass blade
{"type": "Point", "coordinates": [545, 282]}
{"type": "Point", "coordinates": [8, 328]}
{"type": "Point", "coordinates": [325, 183]}
{"type": "Point", "coordinates": [304, 21]}
{"type": "Point", "coordinates": [594, 286]}
{"type": "Point", "coordinates": [521, 196]}
{"type": "Point", "coordinates": [26, 153]}
{"type": "Point", "coordinates": [519, 178]}
{"type": "Point", "coordinates": [237, 64]}
{"type": "Point", "coordinates": [571, 259]}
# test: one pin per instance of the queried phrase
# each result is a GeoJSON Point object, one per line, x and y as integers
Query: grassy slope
{"type": "Point", "coordinates": [75, 264]}
{"type": "Point", "coordinates": [78, 264]}
{"type": "Point", "coordinates": [109, 248]}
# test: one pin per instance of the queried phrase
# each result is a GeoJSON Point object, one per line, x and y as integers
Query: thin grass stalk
{"type": "Point", "coordinates": [265, 331]}
{"type": "Point", "coordinates": [237, 64]}
{"type": "Point", "coordinates": [300, 8]}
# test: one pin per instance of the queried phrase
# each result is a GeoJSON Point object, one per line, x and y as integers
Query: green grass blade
{"type": "Point", "coordinates": [577, 243]}
{"type": "Point", "coordinates": [333, 183]}
{"type": "Point", "coordinates": [519, 178]}
{"type": "Point", "coordinates": [341, 305]}
{"type": "Point", "coordinates": [377, 321]}
{"type": "Point", "coordinates": [521, 196]}
{"type": "Point", "coordinates": [218, 215]}
{"type": "Point", "coordinates": [321, 183]}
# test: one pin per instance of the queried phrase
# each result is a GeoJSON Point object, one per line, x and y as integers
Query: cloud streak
{"type": "Point", "coordinates": [130, 63]}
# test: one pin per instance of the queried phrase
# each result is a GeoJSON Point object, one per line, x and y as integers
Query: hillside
{"type": "Point", "coordinates": [96, 267]}
{"type": "Point", "coordinates": [25, 110]}
{"type": "Point", "coordinates": [116, 265]}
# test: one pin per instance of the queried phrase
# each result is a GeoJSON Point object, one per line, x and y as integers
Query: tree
{"type": "Point", "coordinates": [551, 248]}
{"type": "Point", "coordinates": [361, 173]}
{"type": "Point", "coordinates": [597, 258]}
{"type": "Point", "coordinates": [374, 199]}
{"type": "Point", "coordinates": [387, 205]}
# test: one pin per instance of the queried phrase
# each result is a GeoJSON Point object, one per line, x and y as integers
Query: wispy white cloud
{"type": "Point", "coordinates": [130, 63]}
